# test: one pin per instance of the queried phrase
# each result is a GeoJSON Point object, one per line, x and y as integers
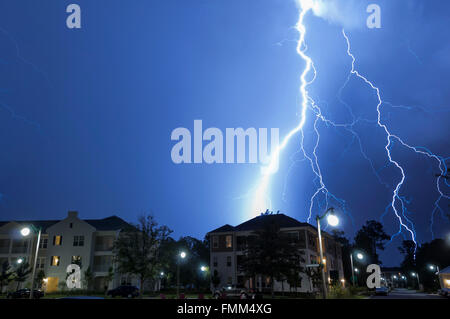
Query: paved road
{"type": "Point", "coordinates": [407, 294]}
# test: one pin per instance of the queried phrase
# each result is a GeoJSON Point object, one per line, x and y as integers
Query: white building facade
{"type": "Point", "coordinates": [88, 243]}
{"type": "Point", "coordinates": [228, 246]}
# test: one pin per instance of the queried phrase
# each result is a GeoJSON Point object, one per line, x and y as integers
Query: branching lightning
{"type": "Point", "coordinates": [322, 196]}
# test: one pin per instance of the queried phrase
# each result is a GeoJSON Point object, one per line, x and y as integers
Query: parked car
{"type": "Point", "coordinates": [445, 292]}
{"type": "Point", "coordinates": [25, 293]}
{"type": "Point", "coordinates": [124, 291]}
{"type": "Point", "coordinates": [382, 291]}
{"type": "Point", "coordinates": [231, 292]}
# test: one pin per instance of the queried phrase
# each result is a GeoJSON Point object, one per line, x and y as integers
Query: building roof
{"type": "Point", "coordinates": [257, 223]}
{"type": "Point", "coordinates": [43, 224]}
{"type": "Point", "coordinates": [105, 224]}
{"type": "Point", "coordinates": [445, 270]}
{"type": "Point", "coordinates": [108, 223]}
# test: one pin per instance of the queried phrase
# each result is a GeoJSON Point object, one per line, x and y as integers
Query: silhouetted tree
{"type": "Point", "coordinates": [269, 253]}
{"type": "Point", "coordinates": [137, 249]}
{"type": "Point", "coordinates": [21, 273]}
{"type": "Point", "coordinates": [370, 238]}
{"type": "Point", "coordinates": [6, 275]}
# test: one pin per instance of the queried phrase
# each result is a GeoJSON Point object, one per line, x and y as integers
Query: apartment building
{"type": "Point", "coordinates": [228, 245]}
{"type": "Point", "coordinates": [71, 240]}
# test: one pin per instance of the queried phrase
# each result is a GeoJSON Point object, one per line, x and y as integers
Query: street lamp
{"type": "Point", "coordinates": [19, 261]}
{"type": "Point", "coordinates": [25, 232]}
{"type": "Point", "coordinates": [333, 221]}
{"type": "Point", "coordinates": [181, 256]}
{"type": "Point", "coordinates": [360, 256]}
{"type": "Point", "coordinates": [203, 268]}
{"type": "Point", "coordinates": [417, 276]}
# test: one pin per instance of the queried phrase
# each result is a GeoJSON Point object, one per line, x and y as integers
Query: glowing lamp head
{"type": "Point", "coordinates": [162, 273]}
{"type": "Point", "coordinates": [19, 261]}
{"type": "Point", "coordinates": [356, 269]}
{"type": "Point", "coordinates": [359, 256]}
{"type": "Point", "coordinates": [431, 267]}
{"type": "Point", "coordinates": [183, 255]}
{"type": "Point", "coordinates": [25, 231]}
{"type": "Point", "coordinates": [333, 220]}
{"type": "Point", "coordinates": [203, 268]}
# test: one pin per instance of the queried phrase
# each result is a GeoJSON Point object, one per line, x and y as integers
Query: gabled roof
{"type": "Point", "coordinates": [111, 223]}
{"type": "Point", "coordinates": [282, 220]}
{"type": "Point", "coordinates": [223, 229]}
{"type": "Point", "coordinates": [257, 223]}
{"type": "Point", "coordinates": [445, 270]}
{"type": "Point", "coordinates": [43, 224]}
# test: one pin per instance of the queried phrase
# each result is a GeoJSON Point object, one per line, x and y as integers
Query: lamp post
{"type": "Point", "coordinates": [25, 232]}
{"type": "Point", "coordinates": [332, 221]}
{"type": "Point", "coordinates": [181, 256]}
{"type": "Point", "coordinates": [417, 276]}
{"type": "Point", "coordinates": [360, 257]}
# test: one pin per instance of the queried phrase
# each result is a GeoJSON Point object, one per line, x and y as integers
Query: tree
{"type": "Point", "coordinates": [215, 279]}
{"type": "Point", "coordinates": [88, 278]}
{"type": "Point", "coordinates": [270, 253]}
{"type": "Point", "coordinates": [108, 278]}
{"type": "Point", "coordinates": [370, 238]}
{"type": "Point", "coordinates": [40, 278]}
{"type": "Point", "coordinates": [22, 272]}
{"type": "Point", "coordinates": [137, 249]}
{"type": "Point", "coordinates": [6, 275]}
{"type": "Point", "coordinates": [315, 275]}
{"type": "Point", "coordinates": [346, 249]}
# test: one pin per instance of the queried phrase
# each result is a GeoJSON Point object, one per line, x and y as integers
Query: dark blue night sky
{"type": "Point", "coordinates": [86, 115]}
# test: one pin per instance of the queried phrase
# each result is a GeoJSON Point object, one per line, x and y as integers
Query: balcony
{"type": "Point", "coordinates": [19, 250]}
{"type": "Point", "coordinates": [101, 268]}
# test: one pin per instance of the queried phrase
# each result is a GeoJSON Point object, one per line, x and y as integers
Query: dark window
{"type": "Point", "coordinates": [228, 261]}
{"type": "Point", "coordinates": [214, 261]}
{"type": "Point", "coordinates": [78, 241]}
{"type": "Point", "coordinates": [43, 243]}
{"type": "Point", "coordinates": [215, 242]}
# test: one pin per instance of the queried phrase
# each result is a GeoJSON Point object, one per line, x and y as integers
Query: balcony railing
{"type": "Point", "coordinates": [103, 247]}
{"type": "Point", "coordinates": [19, 250]}
{"type": "Point", "coordinates": [101, 268]}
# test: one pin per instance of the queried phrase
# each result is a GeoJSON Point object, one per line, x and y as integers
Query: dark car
{"type": "Point", "coordinates": [25, 293]}
{"type": "Point", "coordinates": [382, 291]}
{"type": "Point", "coordinates": [124, 291]}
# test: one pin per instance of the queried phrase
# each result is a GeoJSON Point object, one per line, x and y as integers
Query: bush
{"type": "Point", "coordinates": [339, 292]}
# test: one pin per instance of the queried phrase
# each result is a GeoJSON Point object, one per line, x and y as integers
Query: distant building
{"type": "Point", "coordinates": [227, 248]}
{"type": "Point", "coordinates": [69, 241]}
{"type": "Point", "coordinates": [393, 277]}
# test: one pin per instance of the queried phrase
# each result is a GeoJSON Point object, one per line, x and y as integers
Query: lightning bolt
{"type": "Point", "coordinates": [261, 199]}
{"type": "Point", "coordinates": [398, 203]}
{"type": "Point", "coordinates": [390, 138]}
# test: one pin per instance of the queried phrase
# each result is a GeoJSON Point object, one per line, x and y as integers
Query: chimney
{"type": "Point", "coordinates": [73, 214]}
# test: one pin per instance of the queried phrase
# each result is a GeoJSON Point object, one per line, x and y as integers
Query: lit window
{"type": "Point", "coordinates": [76, 260]}
{"type": "Point", "coordinates": [55, 260]}
{"type": "Point", "coordinates": [229, 241]}
{"type": "Point", "coordinates": [57, 240]}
